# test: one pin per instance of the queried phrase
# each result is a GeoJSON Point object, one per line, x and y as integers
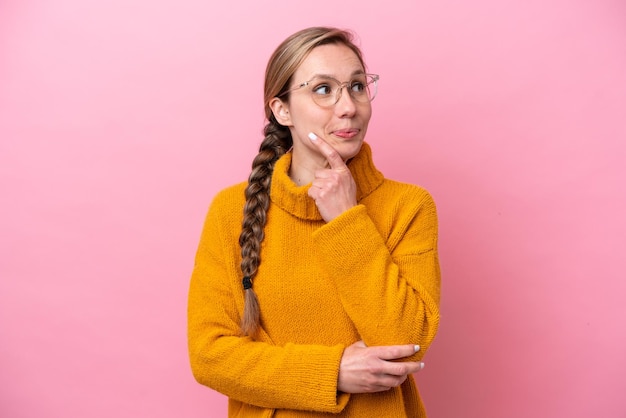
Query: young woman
{"type": "Point", "coordinates": [316, 284]}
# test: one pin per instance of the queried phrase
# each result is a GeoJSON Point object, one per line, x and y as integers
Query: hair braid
{"type": "Point", "coordinates": [276, 143]}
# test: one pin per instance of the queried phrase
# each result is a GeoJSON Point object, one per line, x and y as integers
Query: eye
{"type": "Point", "coordinates": [322, 89]}
{"type": "Point", "coordinates": [357, 86]}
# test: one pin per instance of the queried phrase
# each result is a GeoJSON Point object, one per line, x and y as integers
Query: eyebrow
{"type": "Point", "coordinates": [356, 72]}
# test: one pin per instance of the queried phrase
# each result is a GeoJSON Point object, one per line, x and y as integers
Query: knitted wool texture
{"type": "Point", "coordinates": [371, 274]}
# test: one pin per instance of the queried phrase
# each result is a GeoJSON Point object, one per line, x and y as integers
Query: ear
{"type": "Point", "coordinates": [281, 111]}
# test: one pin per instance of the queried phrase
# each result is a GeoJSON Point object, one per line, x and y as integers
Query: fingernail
{"type": "Point", "coordinates": [422, 365]}
{"type": "Point", "coordinates": [417, 348]}
{"type": "Point", "coordinates": [312, 136]}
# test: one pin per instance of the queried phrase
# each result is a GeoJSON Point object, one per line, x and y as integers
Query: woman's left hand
{"type": "Point", "coordinates": [333, 188]}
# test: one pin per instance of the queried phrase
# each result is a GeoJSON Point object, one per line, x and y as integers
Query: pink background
{"type": "Point", "coordinates": [119, 121]}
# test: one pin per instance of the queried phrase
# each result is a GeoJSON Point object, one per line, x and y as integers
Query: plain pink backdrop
{"type": "Point", "coordinates": [120, 120]}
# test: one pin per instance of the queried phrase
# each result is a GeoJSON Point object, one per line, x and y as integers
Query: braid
{"type": "Point", "coordinates": [277, 141]}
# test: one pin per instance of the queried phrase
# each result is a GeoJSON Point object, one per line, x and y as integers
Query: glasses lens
{"type": "Point", "coordinates": [363, 88]}
{"type": "Point", "coordinates": [327, 91]}
{"type": "Point", "coordinates": [324, 91]}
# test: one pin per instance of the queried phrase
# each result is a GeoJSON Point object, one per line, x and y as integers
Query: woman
{"type": "Point", "coordinates": [316, 283]}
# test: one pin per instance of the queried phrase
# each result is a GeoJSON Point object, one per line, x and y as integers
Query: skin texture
{"type": "Point", "coordinates": [323, 140]}
{"type": "Point", "coordinates": [332, 188]}
{"type": "Point", "coordinates": [370, 369]}
{"type": "Point", "coordinates": [303, 116]}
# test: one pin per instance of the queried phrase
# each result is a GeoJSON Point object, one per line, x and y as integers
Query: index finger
{"type": "Point", "coordinates": [394, 352]}
{"type": "Point", "coordinates": [332, 156]}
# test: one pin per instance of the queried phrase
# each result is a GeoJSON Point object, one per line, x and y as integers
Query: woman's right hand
{"type": "Point", "coordinates": [369, 369]}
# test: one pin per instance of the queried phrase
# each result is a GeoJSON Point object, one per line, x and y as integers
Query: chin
{"type": "Point", "coordinates": [349, 150]}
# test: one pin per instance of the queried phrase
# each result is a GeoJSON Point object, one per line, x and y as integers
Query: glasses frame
{"type": "Point", "coordinates": [374, 80]}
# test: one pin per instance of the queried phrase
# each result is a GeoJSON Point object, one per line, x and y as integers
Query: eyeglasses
{"type": "Point", "coordinates": [326, 91]}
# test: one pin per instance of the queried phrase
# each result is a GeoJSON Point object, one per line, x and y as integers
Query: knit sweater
{"type": "Point", "coordinates": [370, 274]}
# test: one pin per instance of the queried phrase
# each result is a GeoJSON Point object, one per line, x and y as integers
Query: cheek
{"type": "Point", "coordinates": [367, 114]}
{"type": "Point", "coordinates": [311, 118]}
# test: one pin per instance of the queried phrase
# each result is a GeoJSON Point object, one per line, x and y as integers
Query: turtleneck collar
{"type": "Point", "coordinates": [295, 200]}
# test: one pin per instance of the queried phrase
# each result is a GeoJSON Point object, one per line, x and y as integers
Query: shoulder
{"type": "Point", "coordinates": [398, 205]}
{"type": "Point", "coordinates": [229, 196]}
{"type": "Point", "coordinates": [226, 207]}
{"type": "Point", "coordinates": [223, 218]}
{"type": "Point", "coordinates": [405, 194]}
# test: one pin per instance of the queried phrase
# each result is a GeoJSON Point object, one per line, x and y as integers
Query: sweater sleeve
{"type": "Point", "coordinates": [293, 376]}
{"type": "Point", "coordinates": [389, 287]}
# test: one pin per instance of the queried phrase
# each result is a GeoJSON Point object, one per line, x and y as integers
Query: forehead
{"type": "Point", "coordinates": [335, 60]}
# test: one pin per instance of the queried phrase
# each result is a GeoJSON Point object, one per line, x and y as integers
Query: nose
{"type": "Point", "coordinates": [345, 106]}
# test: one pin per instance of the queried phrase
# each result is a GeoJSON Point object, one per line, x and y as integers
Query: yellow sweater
{"type": "Point", "coordinates": [371, 274]}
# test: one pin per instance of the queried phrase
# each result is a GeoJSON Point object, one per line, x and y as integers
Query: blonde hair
{"type": "Point", "coordinates": [278, 75]}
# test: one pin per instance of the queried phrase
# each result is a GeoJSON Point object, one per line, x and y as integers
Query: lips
{"type": "Point", "coordinates": [346, 133]}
